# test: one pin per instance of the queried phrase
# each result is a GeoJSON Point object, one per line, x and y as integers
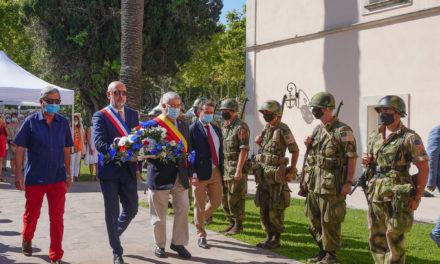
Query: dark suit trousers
{"type": "Point", "coordinates": [124, 190]}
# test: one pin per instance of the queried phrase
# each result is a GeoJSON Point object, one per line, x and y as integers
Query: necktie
{"type": "Point", "coordinates": [121, 114]}
{"type": "Point", "coordinates": [212, 147]}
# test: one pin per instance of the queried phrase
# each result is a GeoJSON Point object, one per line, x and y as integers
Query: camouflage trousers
{"type": "Point", "coordinates": [272, 199]}
{"type": "Point", "coordinates": [326, 215]}
{"type": "Point", "coordinates": [234, 197]}
{"type": "Point", "coordinates": [387, 232]}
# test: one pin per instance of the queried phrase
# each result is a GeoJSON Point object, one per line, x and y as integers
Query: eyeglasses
{"type": "Point", "coordinates": [120, 93]}
{"type": "Point", "coordinates": [173, 105]}
{"type": "Point", "coordinates": [52, 101]}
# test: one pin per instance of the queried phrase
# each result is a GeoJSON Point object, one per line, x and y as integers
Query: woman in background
{"type": "Point", "coordinates": [91, 157]}
{"type": "Point", "coordinates": [78, 143]}
{"type": "Point", "coordinates": [4, 134]}
{"type": "Point", "coordinates": [13, 128]}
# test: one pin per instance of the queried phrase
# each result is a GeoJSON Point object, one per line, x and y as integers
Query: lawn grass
{"type": "Point", "coordinates": [297, 243]}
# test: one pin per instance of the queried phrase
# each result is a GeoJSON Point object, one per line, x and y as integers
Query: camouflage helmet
{"type": "Point", "coordinates": [394, 102]}
{"type": "Point", "coordinates": [198, 101]}
{"type": "Point", "coordinates": [157, 110]}
{"type": "Point", "coordinates": [323, 100]}
{"type": "Point", "coordinates": [229, 104]}
{"type": "Point", "coordinates": [271, 106]}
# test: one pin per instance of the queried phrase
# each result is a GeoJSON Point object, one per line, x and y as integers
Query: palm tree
{"type": "Point", "coordinates": [132, 19]}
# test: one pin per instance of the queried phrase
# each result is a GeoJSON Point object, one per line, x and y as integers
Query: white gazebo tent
{"type": "Point", "coordinates": [17, 84]}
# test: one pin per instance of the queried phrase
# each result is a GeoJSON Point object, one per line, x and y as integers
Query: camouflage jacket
{"type": "Point", "coordinates": [333, 144]}
{"type": "Point", "coordinates": [277, 139]}
{"type": "Point", "coordinates": [393, 156]}
{"type": "Point", "coordinates": [235, 137]}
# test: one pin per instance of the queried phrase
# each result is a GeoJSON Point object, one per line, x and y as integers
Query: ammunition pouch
{"type": "Point", "coordinates": [385, 169]}
{"type": "Point", "coordinates": [401, 196]}
{"type": "Point", "coordinates": [258, 172]}
{"type": "Point", "coordinates": [330, 163]}
{"type": "Point", "coordinates": [274, 174]}
{"type": "Point", "coordinates": [271, 159]}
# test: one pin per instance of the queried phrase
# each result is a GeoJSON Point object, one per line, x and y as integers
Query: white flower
{"type": "Point", "coordinates": [163, 154]}
{"type": "Point", "coordinates": [164, 134]}
{"type": "Point", "coordinates": [123, 141]}
{"type": "Point", "coordinates": [172, 143]}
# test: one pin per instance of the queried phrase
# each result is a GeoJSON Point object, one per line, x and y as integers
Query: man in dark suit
{"type": "Point", "coordinates": [168, 178]}
{"type": "Point", "coordinates": [206, 138]}
{"type": "Point", "coordinates": [118, 183]}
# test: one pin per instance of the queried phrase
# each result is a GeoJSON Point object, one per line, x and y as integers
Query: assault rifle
{"type": "Point", "coordinates": [338, 178]}
{"type": "Point", "coordinates": [243, 108]}
{"type": "Point", "coordinates": [362, 181]}
{"type": "Point", "coordinates": [302, 189]}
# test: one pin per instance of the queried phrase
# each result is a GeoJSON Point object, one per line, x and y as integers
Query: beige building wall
{"type": "Point", "coordinates": [341, 47]}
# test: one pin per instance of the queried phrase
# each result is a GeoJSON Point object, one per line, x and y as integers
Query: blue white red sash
{"type": "Point", "coordinates": [116, 120]}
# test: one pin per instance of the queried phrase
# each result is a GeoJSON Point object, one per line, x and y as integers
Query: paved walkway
{"type": "Point", "coordinates": [85, 238]}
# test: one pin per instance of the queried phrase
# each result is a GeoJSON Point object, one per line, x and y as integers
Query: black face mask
{"type": "Point", "coordinates": [268, 117]}
{"type": "Point", "coordinates": [226, 116]}
{"type": "Point", "coordinates": [386, 118]}
{"type": "Point", "coordinates": [317, 113]}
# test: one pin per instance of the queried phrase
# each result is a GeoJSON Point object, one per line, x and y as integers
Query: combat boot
{"type": "Point", "coordinates": [263, 243]}
{"type": "Point", "coordinates": [229, 227]}
{"type": "Point", "coordinates": [318, 257]}
{"type": "Point", "coordinates": [274, 242]}
{"type": "Point", "coordinates": [237, 229]}
{"type": "Point", "coordinates": [330, 257]}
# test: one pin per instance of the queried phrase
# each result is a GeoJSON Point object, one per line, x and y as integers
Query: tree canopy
{"type": "Point", "coordinates": [82, 40]}
{"type": "Point", "coordinates": [217, 67]}
{"type": "Point", "coordinates": [13, 40]}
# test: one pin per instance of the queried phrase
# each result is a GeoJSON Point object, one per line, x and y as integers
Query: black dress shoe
{"type": "Point", "coordinates": [181, 250]}
{"type": "Point", "coordinates": [202, 242]}
{"type": "Point", "coordinates": [118, 260]}
{"type": "Point", "coordinates": [26, 248]}
{"type": "Point", "coordinates": [160, 252]}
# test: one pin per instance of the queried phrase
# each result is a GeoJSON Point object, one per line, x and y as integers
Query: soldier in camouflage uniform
{"type": "Point", "coordinates": [194, 108]}
{"type": "Point", "coordinates": [393, 195]}
{"type": "Point", "coordinates": [329, 177]}
{"type": "Point", "coordinates": [235, 147]}
{"type": "Point", "coordinates": [273, 194]}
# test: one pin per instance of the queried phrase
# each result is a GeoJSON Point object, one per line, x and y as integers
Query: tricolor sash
{"type": "Point", "coordinates": [172, 130]}
{"type": "Point", "coordinates": [116, 120]}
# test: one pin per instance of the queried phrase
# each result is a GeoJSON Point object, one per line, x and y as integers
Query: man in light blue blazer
{"type": "Point", "coordinates": [433, 151]}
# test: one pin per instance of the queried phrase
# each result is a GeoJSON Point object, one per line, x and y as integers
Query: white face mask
{"type": "Point", "coordinates": [76, 123]}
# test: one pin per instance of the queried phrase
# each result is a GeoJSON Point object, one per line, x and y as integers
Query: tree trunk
{"type": "Point", "coordinates": [132, 19]}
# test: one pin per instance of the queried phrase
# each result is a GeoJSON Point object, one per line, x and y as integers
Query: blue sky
{"type": "Point", "coordinates": [229, 5]}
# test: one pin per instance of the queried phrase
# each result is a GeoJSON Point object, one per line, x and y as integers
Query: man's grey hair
{"type": "Point", "coordinates": [49, 90]}
{"type": "Point", "coordinates": [168, 97]}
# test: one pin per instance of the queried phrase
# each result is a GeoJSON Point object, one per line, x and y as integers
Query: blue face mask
{"type": "Point", "coordinates": [207, 118]}
{"type": "Point", "coordinates": [51, 108]}
{"type": "Point", "coordinates": [14, 120]}
{"type": "Point", "coordinates": [8, 120]}
{"type": "Point", "coordinates": [173, 113]}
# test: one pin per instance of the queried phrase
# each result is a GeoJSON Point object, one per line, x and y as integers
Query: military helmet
{"type": "Point", "coordinates": [156, 110]}
{"type": "Point", "coordinates": [394, 102]}
{"type": "Point", "coordinates": [198, 101]}
{"type": "Point", "coordinates": [271, 106]}
{"type": "Point", "coordinates": [323, 100]}
{"type": "Point", "coordinates": [229, 104]}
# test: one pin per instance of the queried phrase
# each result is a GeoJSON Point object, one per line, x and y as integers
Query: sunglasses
{"type": "Point", "coordinates": [120, 93]}
{"type": "Point", "coordinates": [52, 101]}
